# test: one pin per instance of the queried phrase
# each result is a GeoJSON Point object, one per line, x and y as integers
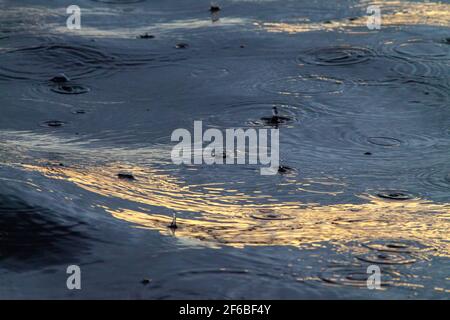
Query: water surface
{"type": "Point", "coordinates": [367, 136]}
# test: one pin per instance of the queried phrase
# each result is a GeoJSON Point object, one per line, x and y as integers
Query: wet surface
{"type": "Point", "coordinates": [85, 170]}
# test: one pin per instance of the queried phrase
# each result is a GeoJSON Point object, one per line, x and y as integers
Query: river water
{"type": "Point", "coordinates": [366, 140]}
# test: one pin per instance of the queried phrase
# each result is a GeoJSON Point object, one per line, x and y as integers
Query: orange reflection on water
{"type": "Point", "coordinates": [393, 13]}
{"type": "Point", "coordinates": [221, 216]}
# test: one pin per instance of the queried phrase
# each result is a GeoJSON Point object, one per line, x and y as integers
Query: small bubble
{"type": "Point", "coordinates": [70, 89]}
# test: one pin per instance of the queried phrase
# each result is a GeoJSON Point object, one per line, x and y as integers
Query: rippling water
{"type": "Point", "coordinates": [365, 142]}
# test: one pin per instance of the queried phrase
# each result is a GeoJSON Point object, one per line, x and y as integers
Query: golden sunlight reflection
{"type": "Point", "coordinates": [393, 13]}
{"type": "Point", "coordinates": [218, 215]}
{"type": "Point", "coordinates": [190, 24]}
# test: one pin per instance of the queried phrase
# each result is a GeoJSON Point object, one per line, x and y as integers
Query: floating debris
{"type": "Point", "coordinates": [145, 281]}
{"type": "Point", "coordinates": [146, 36]}
{"type": "Point", "coordinates": [214, 8]}
{"type": "Point", "coordinates": [126, 176]}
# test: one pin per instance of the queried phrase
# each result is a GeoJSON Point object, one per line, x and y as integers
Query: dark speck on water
{"type": "Point", "coordinates": [173, 224]}
{"type": "Point", "coordinates": [285, 169]}
{"type": "Point", "coordinates": [54, 123]}
{"type": "Point", "coordinates": [125, 176]}
{"type": "Point", "coordinates": [214, 8]}
{"type": "Point", "coordinates": [146, 36]}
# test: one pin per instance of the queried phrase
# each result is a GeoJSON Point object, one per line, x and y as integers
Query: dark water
{"type": "Point", "coordinates": [365, 138]}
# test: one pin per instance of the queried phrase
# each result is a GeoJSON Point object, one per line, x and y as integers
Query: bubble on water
{"type": "Point", "coordinates": [395, 195]}
{"type": "Point", "coordinates": [53, 123]}
{"type": "Point", "coordinates": [67, 88]}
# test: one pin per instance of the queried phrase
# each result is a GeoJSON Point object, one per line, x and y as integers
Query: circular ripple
{"type": "Point", "coordinates": [423, 49]}
{"type": "Point", "coordinates": [384, 141]}
{"type": "Point", "coordinates": [435, 178]}
{"type": "Point", "coordinates": [400, 246]}
{"type": "Point", "coordinates": [391, 194]}
{"type": "Point", "coordinates": [354, 275]}
{"type": "Point", "coordinates": [44, 61]}
{"type": "Point", "coordinates": [336, 56]}
{"type": "Point", "coordinates": [399, 98]}
{"type": "Point", "coordinates": [302, 85]}
{"type": "Point", "coordinates": [387, 258]}
{"type": "Point", "coordinates": [418, 68]}
{"type": "Point", "coordinates": [435, 181]}
{"type": "Point", "coordinates": [270, 215]}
